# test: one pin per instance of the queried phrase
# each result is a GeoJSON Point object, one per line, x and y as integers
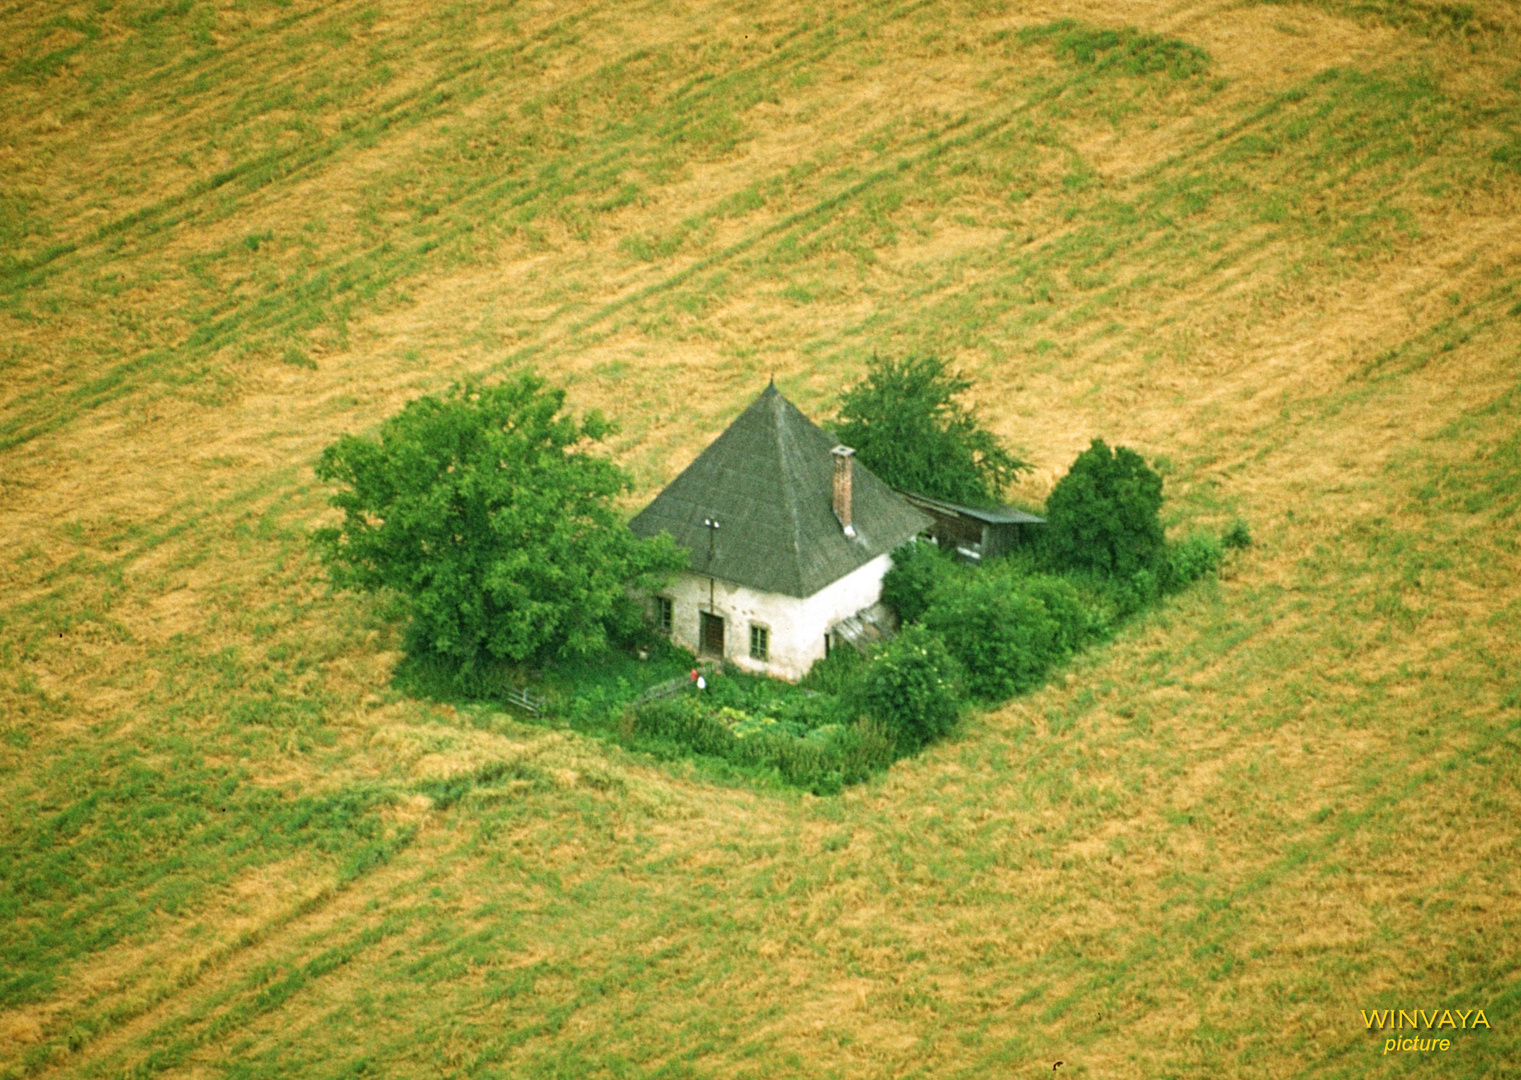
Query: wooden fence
{"type": "Point", "coordinates": [533, 704]}
{"type": "Point", "coordinates": [674, 686]}
{"type": "Point", "coordinates": [527, 700]}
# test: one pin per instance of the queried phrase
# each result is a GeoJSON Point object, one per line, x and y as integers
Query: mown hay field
{"type": "Point", "coordinates": [1275, 246]}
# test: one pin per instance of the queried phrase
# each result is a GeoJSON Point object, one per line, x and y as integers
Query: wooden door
{"type": "Point", "coordinates": [712, 637]}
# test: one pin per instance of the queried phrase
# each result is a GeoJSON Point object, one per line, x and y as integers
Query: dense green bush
{"type": "Point", "coordinates": [805, 763]}
{"type": "Point", "coordinates": [917, 571]}
{"type": "Point", "coordinates": [866, 747]}
{"type": "Point", "coordinates": [1104, 515]}
{"type": "Point", "coordinates": [911, 689]}
{"type": "Point", "coordinates": [684, 720]}
{"type": "Point", "coordinates": [1005, 639]}
{"type": "Point", "coordinates": [821, 761]}
{"type": "Point", "coordinates": [1136, 594]}
{"type": "Point", "coordinates": [1190, 559]}
{"type": "Point", "coordinates": [1075, 620]}
{"type": "Point", "coordinates": [836, 674]}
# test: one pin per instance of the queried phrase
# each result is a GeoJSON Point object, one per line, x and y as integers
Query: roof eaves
{"type": "Point", "coordinates": [999, 515]}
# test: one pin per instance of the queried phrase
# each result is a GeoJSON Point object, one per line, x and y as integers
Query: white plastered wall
{"type": "Point", "coordinates": [797, 626]}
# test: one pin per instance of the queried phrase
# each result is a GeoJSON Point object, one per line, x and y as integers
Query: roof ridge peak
{"type": "Point", "coordinates": [769, 477]}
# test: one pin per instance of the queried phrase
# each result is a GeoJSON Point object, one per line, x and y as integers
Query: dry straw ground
{"type": "Point", "coordinates": [1276, 245]}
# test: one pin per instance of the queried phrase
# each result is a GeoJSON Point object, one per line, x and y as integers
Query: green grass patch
{"type": "Point", "coordinates": [1120, 52]}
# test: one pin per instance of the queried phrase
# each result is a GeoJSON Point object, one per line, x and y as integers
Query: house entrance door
{"type": "Point", "coordinates": [712, 636]}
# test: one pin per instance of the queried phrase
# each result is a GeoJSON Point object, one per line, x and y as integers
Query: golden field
{"type": "Point", "coordinates": [1275, 246]}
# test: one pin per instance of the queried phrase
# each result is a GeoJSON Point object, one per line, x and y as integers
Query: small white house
{"type": "Point", "coordinates": [788, 538]}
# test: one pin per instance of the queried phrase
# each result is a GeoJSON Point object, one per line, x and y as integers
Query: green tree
{"type": "Point", "coordinates": [1105, 514]}
{"type": "Point", "coordinates": [906, 427]}
{"type": "Point", "coordinates": [486, 512]}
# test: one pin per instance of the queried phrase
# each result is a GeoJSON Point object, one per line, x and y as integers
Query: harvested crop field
{"type": "Point", "coordinates": [1275, 247]}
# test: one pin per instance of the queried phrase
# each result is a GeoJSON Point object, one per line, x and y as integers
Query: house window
{"type": "Point", "coordinates": [760, 643]}
{"type": "Point", "coordinates": [664, 614]}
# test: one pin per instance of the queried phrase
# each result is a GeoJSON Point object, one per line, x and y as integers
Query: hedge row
{"type": "Point", "coordinates": [823, 762]}
{"type": "Point", "coordinates": [987, 632]}
{"type": "Point", "coordinates": [1006, 625]}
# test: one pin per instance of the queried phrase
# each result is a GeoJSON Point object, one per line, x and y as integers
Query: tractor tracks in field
{"type": "Point", "coordinates": [239, 983]}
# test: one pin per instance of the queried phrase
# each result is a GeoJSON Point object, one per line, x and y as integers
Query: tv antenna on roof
{"type": "Point", "coordinates": [712, 526]}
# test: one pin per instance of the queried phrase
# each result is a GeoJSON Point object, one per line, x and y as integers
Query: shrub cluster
{"type": "Point", "coordinates": [1190, 559]}
{"type": "Point", "coordinates": [1001, 635]}
{"type": "Point", "coordinates": [1007, 629]}
{"type": "Point", "coordinates": [986, 632]}
{"type": "Point", "coordinates": [912, 689]}
{"type": "Point", "coordinates": [917, 571]}
{"type": "Point", "coordinates": [1104, 557]}
{"type": "Point", "coordinates": [821, 760]}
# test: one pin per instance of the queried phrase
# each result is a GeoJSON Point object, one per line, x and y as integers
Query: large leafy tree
{"type": "Point", "coordinates": [486, 511]}
{"type": "Point", "coordinates": [906, 426]}
{"type": "Point", "coordinates": [1105, 514]}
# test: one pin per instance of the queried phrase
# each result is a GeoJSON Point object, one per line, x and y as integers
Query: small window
{"type": "Point", "coordinates": [664, 614]}
{"type": "Point", "coordinates": [760, 643]}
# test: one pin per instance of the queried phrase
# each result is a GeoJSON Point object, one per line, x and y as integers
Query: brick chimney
{"type": "Point", "coordinates": [843, 472]}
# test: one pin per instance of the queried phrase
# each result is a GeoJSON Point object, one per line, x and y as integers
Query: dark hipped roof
{"type": "Point", "coordinates": [768, 482]}
{"type": "Point", "coordinates": [994, 515]}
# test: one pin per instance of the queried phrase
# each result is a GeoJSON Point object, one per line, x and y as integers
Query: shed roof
{"type": "Point", "coordinates": [996, 515]}
{"type": "Point", "coordinates": [768, 482]}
